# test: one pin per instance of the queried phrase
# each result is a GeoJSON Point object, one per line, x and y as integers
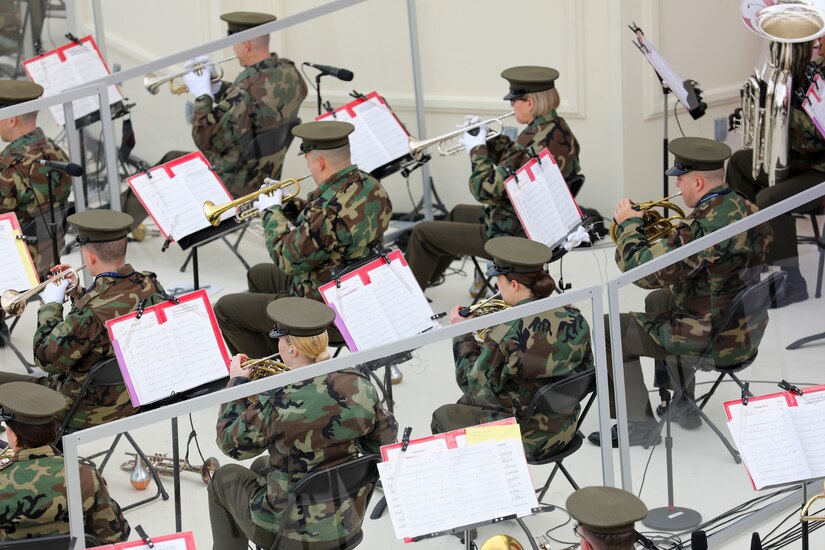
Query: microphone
{"type": "Point", "coordinates": [698, 540]}
{"type": "Point", "coordinates": [70, 168]}
{"type": "Point", "coordinates": [341, 74]}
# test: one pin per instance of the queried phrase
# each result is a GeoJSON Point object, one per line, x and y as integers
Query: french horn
{"type": "Point", "coordinates": [656, 225]}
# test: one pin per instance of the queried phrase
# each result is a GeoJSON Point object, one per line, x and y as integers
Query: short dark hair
{"type": "Point", "coordinates": [110, 252]}
{"type": "Point", "coordinates": [30, 436]}
{"type": "Point", "coordinates": [540, 283]}
{"type": "Point", "coordinates": [612, 541]}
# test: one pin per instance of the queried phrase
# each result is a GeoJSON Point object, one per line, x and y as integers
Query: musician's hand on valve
{"type": "Point", "coordinates": [469, 140]}
{"type": "Point", "coordinates": [199, 84]}
{"type": "Point", "coordinates": [455, 317]}
{"type": "Point", "coordinates": [196, 62]}
{"type": "Point", "coordinates": [624, 211]}
{"type": "Point", "coordinates": [235, 368]}
{"type": "Point", "coordinates": [269, 200]}
{"type": "Point", "coordinates": [469, 120]}
{"type": "Point", "coordinates": [70, 276]}
{"type": "Point", "coordinates": [55, 292]}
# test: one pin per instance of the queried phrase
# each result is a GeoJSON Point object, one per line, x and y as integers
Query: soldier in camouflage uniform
{"type": "Point", "coordinates": [500, 376]}
{"type": "Point", "coordinates": [32, 484]}
{"type": "Point", "coordinates": [305, 426]}
{"type": "Point", "coordinates": [24, 184]}
{"type": "Point", "coordinates": [242, 127]}
{"type": "Point", "coordinates": [68, 347]}
{"type": "Point", "coordinates": [341, 222]}
{"type": "Point", "coordinates": [434, 244]}
{"type": "Point", "coordinates": [693, 295]}
{"type": "Point", "coordinates": [806, 156]}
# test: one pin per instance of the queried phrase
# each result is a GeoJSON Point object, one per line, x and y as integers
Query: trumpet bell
{"type": "Point", "coordinates": [11, 303]}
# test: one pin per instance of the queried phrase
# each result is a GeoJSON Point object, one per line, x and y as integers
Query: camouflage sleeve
{"type": "Point", "coordinates": [304, 248]}
{"type": "Point", "coordinates": [59, 344]}
{"type": "Point", "coordinates": [384, 432]}
{"type": "Point", "coordinates": [104, 518]}
{"type": "Point", "coordinates": [633, 250]}
{"type": "Point", "coordinates": [488, 176]}
{"type": "Point", "coordinates": [8, 191]}
{"type": "Point", "coordinates": [245, 429]}
{"type": "Point", "coordinates": [214, 122]}
{"type": "Point", "coordinates": [465, 352]}
{"type": "Point", "coordinates": [806, 143]}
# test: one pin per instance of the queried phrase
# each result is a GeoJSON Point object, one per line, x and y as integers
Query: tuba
{"type": "Point", "coordinates": [656, 225]}
{"type": "Point", "coordinates": [790, 26]}
{"type": "Point", "coordinates": [492, 304]}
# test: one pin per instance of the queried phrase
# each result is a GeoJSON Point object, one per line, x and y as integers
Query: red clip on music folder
{"type": "Point", "coordinates": [813, 104]}
{"type": "Point", "coordinates": [18, 271]}
{"type": "Point", "coordinates": [169, 349]}
{"type": "Point", "coordinates": [70, 66]}
{"type": "Point", "coordinates": [175, 541]}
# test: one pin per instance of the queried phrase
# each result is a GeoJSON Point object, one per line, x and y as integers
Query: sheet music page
{"type": "Point", "coordinates": [170, 357]}
{"type": "Point", "coordinates": [438, 491]}
{"type": "Point", "coordinates": [176, 204]}
{"type": "Point", "coordinates": [361, 313]}
{"type": "Point", "coordinates": [569, 211]}
{"type": "Point", "coordinates": [808, 421]}
{"type": "Point", "coordinates": [664, 70]}
{"type": "Point", "coordinates": [404, 304]}
{"type": "Point", "coordinates": [814, 105]}
{"type": "Point", "coordinates": [18, 272]}
{"type": "Point", "coordinates": [771, 448]}
{"type": "Point", "coordinates": [385, 127]}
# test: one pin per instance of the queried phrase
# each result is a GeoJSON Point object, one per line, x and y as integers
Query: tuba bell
{"type": "Point", "coordinates": [790, 26]}
{"type": "Point", "coordinates": [656, 225]}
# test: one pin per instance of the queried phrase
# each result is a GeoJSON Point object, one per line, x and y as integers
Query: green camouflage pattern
{"type": "Point", "coordinates": [806, 146]}
{"type": "Point", "coordinates": [491, 161]}
{"type": "Point", "coordinates": [33, 499]}
{"type": "Point", "coordinates": [67, 348]}
{"type": "Point", "coordinates": [24, 184]}
{"type": "Point", "coordinates": [703, 285]}
{"type": "Point", "coordinates": [263, 97]}
{"type": "Point", "coordinates": [341, 222]}
{"type": "Point", "coordinates": [316, 423]}
{"type": "Point", "coordinates": [10, 27]}
{"type": "Point", "coordinates": [516, 359]}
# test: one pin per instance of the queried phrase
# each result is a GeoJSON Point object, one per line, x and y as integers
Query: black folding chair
{"type": "Point", "coordinates": [57, 542]}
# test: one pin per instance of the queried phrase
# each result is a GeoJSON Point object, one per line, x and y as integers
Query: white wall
{"type": "Point", "coordinates": [610, 96]}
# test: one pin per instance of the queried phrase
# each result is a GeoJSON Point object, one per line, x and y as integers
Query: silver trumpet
{"type": "Point", "coordinates": [417, 146]}
{"type": "Point", "coordinates": [152, 82]}
{"type": "Point", "coordinates": [13, 302]}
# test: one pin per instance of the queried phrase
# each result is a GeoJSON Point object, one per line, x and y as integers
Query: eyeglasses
{"type": "Point", "coordinates": [512, 101]}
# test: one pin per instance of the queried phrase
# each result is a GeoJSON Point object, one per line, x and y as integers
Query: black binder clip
{"type": "Point", "coordinates": [787, 386]}
{"type": "Point", "coordinates": [357, 95]}
{"type": "Point", "coordinates": [144, 536]}
{"type": "Point", "coordinates": [38, 48]}
{"type": "Point", "coordinates": [509, 171]}
{"type": "Point", "coordinates": [383, 253]}
{"type": "Point", "coordinates": [143, 167]}
{"type": "Point", "coordinates": [405, 438]}
{"type": "Point", "coordinates": [746, 393]}
{"type": "Point", "coordinates": [169, 297]}
{"type": "Point", "coordinates": [532, 153]}
{"type": "Point", "coordinates": [328, 108]}
{"type": "Point", "coordinates": [140, 307]}
{"type": "Point", "coordinates": [166, 243]}
{"type": "Point", "coordinates": [72, 38]}
{"type": "Point", "coordinates": [438, 316]}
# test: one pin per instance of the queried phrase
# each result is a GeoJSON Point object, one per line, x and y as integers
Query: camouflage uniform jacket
{"type": "Point", "coordinates": [344, 218]}
{"type": "Point", "coordinates": [316, 423]}
{"type": "Point", "coordinates": [68, 348]}
{"type": "Point", "coordinates": [24, 185]}
{"type": "Point", "coordinates": [515, 360]}
{"type": "Point", "coordinates": [263, 98]}
{"type": "Point", "coordinates": [703, 285]}
{"type": "Point", "coordinates": [33, 499]}
{"type": "Point", "coordinates": [491, 161]}
{"type": "Point", "coordinates": [806, 146]}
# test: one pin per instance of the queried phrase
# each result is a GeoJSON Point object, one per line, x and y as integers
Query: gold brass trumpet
{"type": "Point", "coordinates": [656, 225]}
{"type": "Point", "coordinates": [265, 366]}
{"type": "Point", "coordinates": [165, 466]}
{"type": "Point", "coordinates": [245, 210]}
{"type": "Point", "coordinates": [13, 302]}
{"type": "Point", "coordinates": [153, 82]}
{"type": "Point", "coordinates": [417, 146]}
{"type": "Point", "coordinates": [492, 304]}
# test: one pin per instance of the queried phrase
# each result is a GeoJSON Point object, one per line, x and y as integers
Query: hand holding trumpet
{"type": "Point", "coordinates": [625, 210]}
{"type": "Point", "coordinates": [65, 272]}
{"type": "Point", "coordinates": [269, 200]}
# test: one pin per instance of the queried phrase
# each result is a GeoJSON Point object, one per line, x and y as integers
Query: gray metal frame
{"type": "Point", "coordinates": [593, 293]}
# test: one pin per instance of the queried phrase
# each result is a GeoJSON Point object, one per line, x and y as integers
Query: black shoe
{"type": "Point", "coordinates": [684, 414]}
{"type": "Point", "coordinates": [794, 290]}
{"type": "Point", "coordinates": [644, 433]}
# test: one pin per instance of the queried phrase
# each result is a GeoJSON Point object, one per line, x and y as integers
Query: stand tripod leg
{"type": "Point", "coordinates": [807, 340]}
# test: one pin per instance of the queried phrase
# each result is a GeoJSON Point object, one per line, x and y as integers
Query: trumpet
{"type": "Point", "coordinates": [492, 304]}
{"type": "Point", "coordinates": [656, 225]}
{"type": "Point", "coordinates": [6, 457]}
{"type": "Point", "coordinates": [417, 146]}
{"type": "Point", "coordinates": [245, 210]}
{"type": "Point", "coordinates": [152, 82]}
{"type": "Point", "coordinates": [265, 366]}
{"type": "Point", "coordinates": [13, 302]}
{"type": "Point", "coordinates": [165, 466]}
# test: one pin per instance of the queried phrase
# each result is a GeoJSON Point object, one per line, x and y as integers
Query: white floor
{"type": "Point", "coordinates": [706, 478]}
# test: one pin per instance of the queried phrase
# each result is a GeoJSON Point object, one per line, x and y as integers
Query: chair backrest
{"type": "Point", "coordinates": [269, 142]}
{"type": "Point", "coordinates": [575, 183]}
{"type": "Point", "coordinates": [750, 305]}
{"type": "Point", "coordinates": [103, 373]}
{"type": "Point", "coordinates": [57, 542]}
{"type": "Point", "coordinates": [333, 484]}
{"type": "Point", "coordinates": [563, 396]}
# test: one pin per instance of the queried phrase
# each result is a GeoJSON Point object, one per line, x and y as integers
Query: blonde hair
{"type": "Point", "coordinates": [544, 101]}
{"type": "Point", "coordinates": [314, 347]}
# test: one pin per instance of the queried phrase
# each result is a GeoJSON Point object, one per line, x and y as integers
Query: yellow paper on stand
{"type": "Point", "coordinates": [480, 434]}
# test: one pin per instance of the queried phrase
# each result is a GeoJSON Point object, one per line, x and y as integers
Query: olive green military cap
{"type": "Point", "coordinates": [299, 317]}
{"type": "Point", "coordinates": [238, 21]}
{"type": "Point", "coordinates": [516, 255]}
{"type": "Point", "coordinates": [528, 78]}
{"type": "Point", "coordinates": [694, 153]}
{"type": "Point", "coordinates": [100, 226]}
{"type": "Point", "coordinates": [30, 403]}
{"type": "Point", "coordinates": [13, 92]}
{"type": "Point", "coordinates": [606, 509]}
{"type": "Point", "coordinates": [323, 134]}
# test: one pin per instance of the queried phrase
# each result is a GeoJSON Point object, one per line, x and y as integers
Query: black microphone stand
{"type": "Point", "coordinates": [52, 217]}
{"type": "Point", "coordinates": [318, 90]}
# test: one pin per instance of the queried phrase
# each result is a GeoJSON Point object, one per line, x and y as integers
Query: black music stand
{"type": "Point", "coordinates": [206, 236]}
